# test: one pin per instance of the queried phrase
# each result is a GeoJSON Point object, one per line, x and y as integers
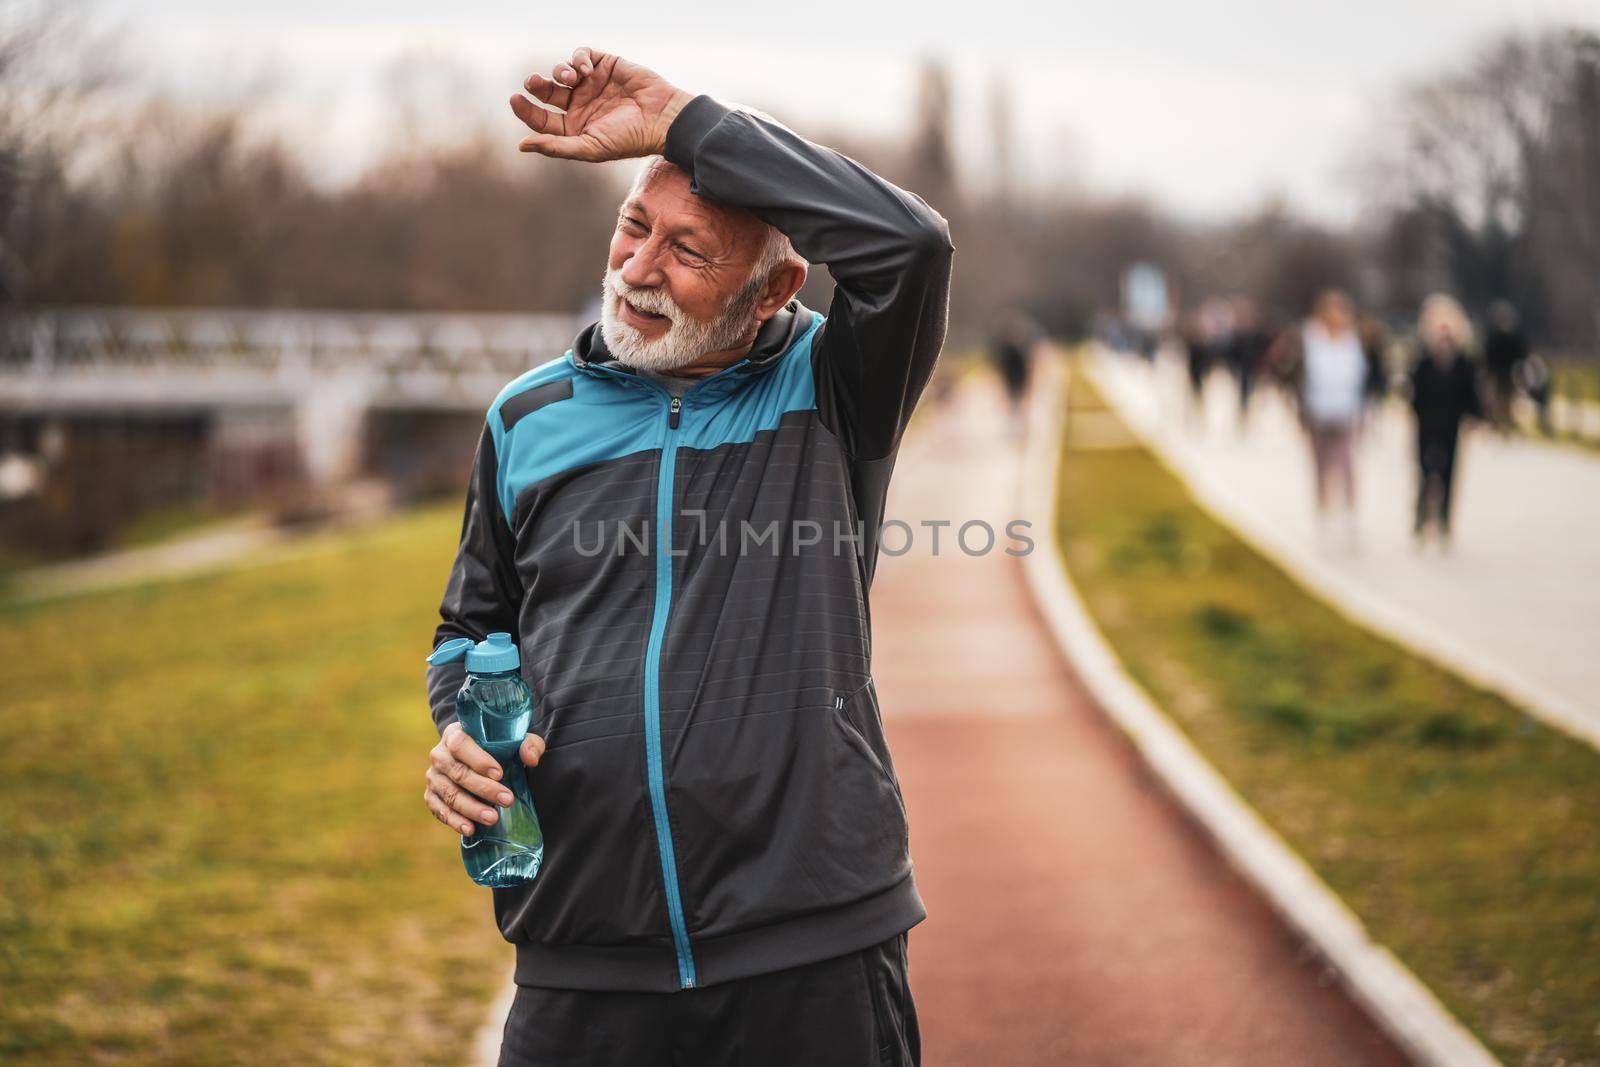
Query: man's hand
{"type": "Point", "coordinates": [464, 780]}
{"type": "Point", "coordinates": [607, 108]}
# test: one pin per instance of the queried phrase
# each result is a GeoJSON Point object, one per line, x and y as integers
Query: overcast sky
{"type": "Point", "coordinates": [1208, 108]}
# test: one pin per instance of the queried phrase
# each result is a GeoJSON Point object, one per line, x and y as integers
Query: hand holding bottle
{"type": "Point", "coordinates": [464, 780]}
{"type": "Point", "coordinates": [494, 709]}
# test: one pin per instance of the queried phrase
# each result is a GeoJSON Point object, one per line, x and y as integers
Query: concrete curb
{"type": "Point", "coordinates": [1360, 607]}
{"type": "Point", "coordinates": [486, 1045]}
{"type": "Point", "coordinates": [1405, 1008]}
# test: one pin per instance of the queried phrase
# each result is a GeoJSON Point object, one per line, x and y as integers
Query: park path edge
{"type": "Point", "coordinates": [1383, 986]}
{"type": "Point", "coordinates": [486, 1044]}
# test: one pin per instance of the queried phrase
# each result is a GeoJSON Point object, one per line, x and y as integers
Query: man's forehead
{"type": "Point", "coordinates": [663, 193]}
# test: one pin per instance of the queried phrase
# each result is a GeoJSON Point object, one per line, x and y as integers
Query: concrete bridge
{"type": "Point", "coordinates": [220, 357]}
{"type": "Point", "coordinates": [329, 367]}
{"type": "Point", "coordinates": [220, 402]}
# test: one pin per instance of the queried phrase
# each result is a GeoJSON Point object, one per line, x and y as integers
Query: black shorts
{"type": "Point", "coordinates": [850, 1011]}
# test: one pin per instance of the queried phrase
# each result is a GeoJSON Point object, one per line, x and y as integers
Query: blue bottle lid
{"type": "Point", "coordinates": [494, 654]}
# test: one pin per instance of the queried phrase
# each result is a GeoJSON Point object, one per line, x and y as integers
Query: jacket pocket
{"type": "Point", "coordinates": [860, 721]}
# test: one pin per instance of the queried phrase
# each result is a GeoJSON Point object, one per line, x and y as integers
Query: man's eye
{"type": "Point", "coordinates": [635, 223]}
{"type": "Point", "coordinates": [690, 253]}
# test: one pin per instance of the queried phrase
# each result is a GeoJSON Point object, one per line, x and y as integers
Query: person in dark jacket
{"type": "Point", "coordinates": [678, 520]}
{"type": "Point", "coordinates": [1247, 350]}
{"type": "Point", "coordinates": [1197, 359]}
{"type": "Point", "coordinates": [1504, 349]}
{"type": "Point", "coordinates": [1011, 354]}
{"type": "Point", "coordinates": [1444, 391]}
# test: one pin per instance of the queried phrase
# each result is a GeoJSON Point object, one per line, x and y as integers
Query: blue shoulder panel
{"type": "Point", "coordinates": [604, 419]}
{"type": "Point", "coordinates": [757, 405]}
{"type": "Point", "coordinates": [601, 420]}
{"type": "Point", "coordinates": [548, 371]}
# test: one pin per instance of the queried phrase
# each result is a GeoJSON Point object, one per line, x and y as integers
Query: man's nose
{"type": "Point", "coordinates": [642, 270]}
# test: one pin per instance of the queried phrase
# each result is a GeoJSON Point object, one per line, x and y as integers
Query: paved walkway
{"type": "Point", "coordinates": [1075, 915]}
{"type": "Point", "coordinates": [215, 548]}
{"type": "Point", "coordinates": [249, 540]}
{"type": "Point", "coordinates": [1515, 604]}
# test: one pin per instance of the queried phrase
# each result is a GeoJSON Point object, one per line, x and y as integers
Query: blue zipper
{"type": "Point", "coordinates": [652, 672]}
{"type": "Point", "coordinates": [652, 693]}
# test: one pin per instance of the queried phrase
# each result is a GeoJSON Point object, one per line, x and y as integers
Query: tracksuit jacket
{"type": "Point", "coordinates": [687, 581]}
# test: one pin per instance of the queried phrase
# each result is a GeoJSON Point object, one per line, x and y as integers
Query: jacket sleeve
{"type": "Point", "coordinates": [888, 251]}
{"type": "Point", "coordinates": [483, 593]}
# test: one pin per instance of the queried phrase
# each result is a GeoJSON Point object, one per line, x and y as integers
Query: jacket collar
{"type": "Point", "coordinates": [775, 337]}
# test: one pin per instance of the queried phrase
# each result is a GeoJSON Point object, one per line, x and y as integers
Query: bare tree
{"type": "Point", "coordinates": [54, 69]}
{"type": "Point", "coordinates": [1488, 176]}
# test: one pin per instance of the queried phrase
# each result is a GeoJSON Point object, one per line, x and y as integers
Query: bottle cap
{"type": "Point", "coordinates": [495, 653]}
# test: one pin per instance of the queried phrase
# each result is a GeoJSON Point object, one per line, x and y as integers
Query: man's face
{"type": "Point", "coordinates": [678, 277]}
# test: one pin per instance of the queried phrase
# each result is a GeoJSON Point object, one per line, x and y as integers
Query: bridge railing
{"type": "Point", "coordinates": [401, 353]}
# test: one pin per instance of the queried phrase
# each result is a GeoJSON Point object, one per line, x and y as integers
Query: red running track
{"type": "Point", "coordinates": [1076, 915]}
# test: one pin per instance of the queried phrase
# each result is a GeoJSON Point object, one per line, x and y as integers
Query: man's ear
{"type": "Point", "coordinates": [781, 286]}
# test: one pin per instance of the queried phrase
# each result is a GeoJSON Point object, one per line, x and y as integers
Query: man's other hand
{"type": "Point", "coordinates": [464, 780]}
{"type": "Point", "coordinates": [599, 107]}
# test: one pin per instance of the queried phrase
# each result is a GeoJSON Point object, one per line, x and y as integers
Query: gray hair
{"type": "Point", "coordinates": [776, 250]}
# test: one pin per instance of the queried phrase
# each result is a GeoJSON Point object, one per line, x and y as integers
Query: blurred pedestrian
{"type": "Point", "coordinates": [1374, 344]}
{"type": "Point", "coordinates": [1330, 373]}
{"type": "Point", "coordinates": [1444, 391]}
{"type": "Point", "coordinates": [1195, 358]}
{"type": "Point", "coordinates": [1197, 331]}
{"type": "Point", "coordinates": [1247, 350]}
{"type": "Point", "coordinates": [1011, 353]}
{"type": "Point", "coordinates": [1504, 349]}
{"type": "Point", "coordinates": [1533, 378]}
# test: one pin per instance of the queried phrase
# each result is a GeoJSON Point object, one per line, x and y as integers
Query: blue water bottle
{"type": "Point", "coordinates": [495, 707]}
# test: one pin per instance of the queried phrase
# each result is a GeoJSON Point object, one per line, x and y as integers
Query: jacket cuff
{"type": "Point", "coordinates": [690, 127]}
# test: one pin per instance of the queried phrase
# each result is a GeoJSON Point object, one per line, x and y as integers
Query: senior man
{"type": "Point", "coordinates": [678, 519]}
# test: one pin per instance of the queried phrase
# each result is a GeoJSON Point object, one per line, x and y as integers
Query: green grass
{"type": "Point", "coordinates": [1463, 832]}
{"type": "Point", "coordinates": [1576, 378]}
{"type": "Point", "coordinates": [215, 848]}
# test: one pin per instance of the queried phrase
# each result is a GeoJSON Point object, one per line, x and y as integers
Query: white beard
{"type": "Point", "coordinates": [686, 339]}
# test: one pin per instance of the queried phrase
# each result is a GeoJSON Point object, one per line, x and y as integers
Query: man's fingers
{"type": "Point", "coordinates": [460, 745]}
{"type": "Point", "coordinates": [532, 749]}
{"type": "Point", "coordinates": [548, 92]}
{"type": "Point", "coordinates": [584, 59]}
{"type": "Point", "coordinates": [566, 74]}
{"type": "Point", "coordinates": [457, 797]}
{"type": "Point", "coordinates": [465, 778]}
{"type": "Point", "coordinates": [536, 118]}
{"type": "Point", "coordinates": [446, 814]}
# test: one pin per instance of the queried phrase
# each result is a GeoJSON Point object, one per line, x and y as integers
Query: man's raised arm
{"type": "Point", "coordinates": [888, 251]}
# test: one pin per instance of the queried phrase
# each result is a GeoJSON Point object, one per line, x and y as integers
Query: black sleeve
{"type": "Point", "coordinates": [1376, 385]}
{"type": "Point", "coordinates": [1471, 395]}
{"type": "Point", "coordinates": [483, 593]}
{"type": "Point", "coordinates": [888, 251]}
